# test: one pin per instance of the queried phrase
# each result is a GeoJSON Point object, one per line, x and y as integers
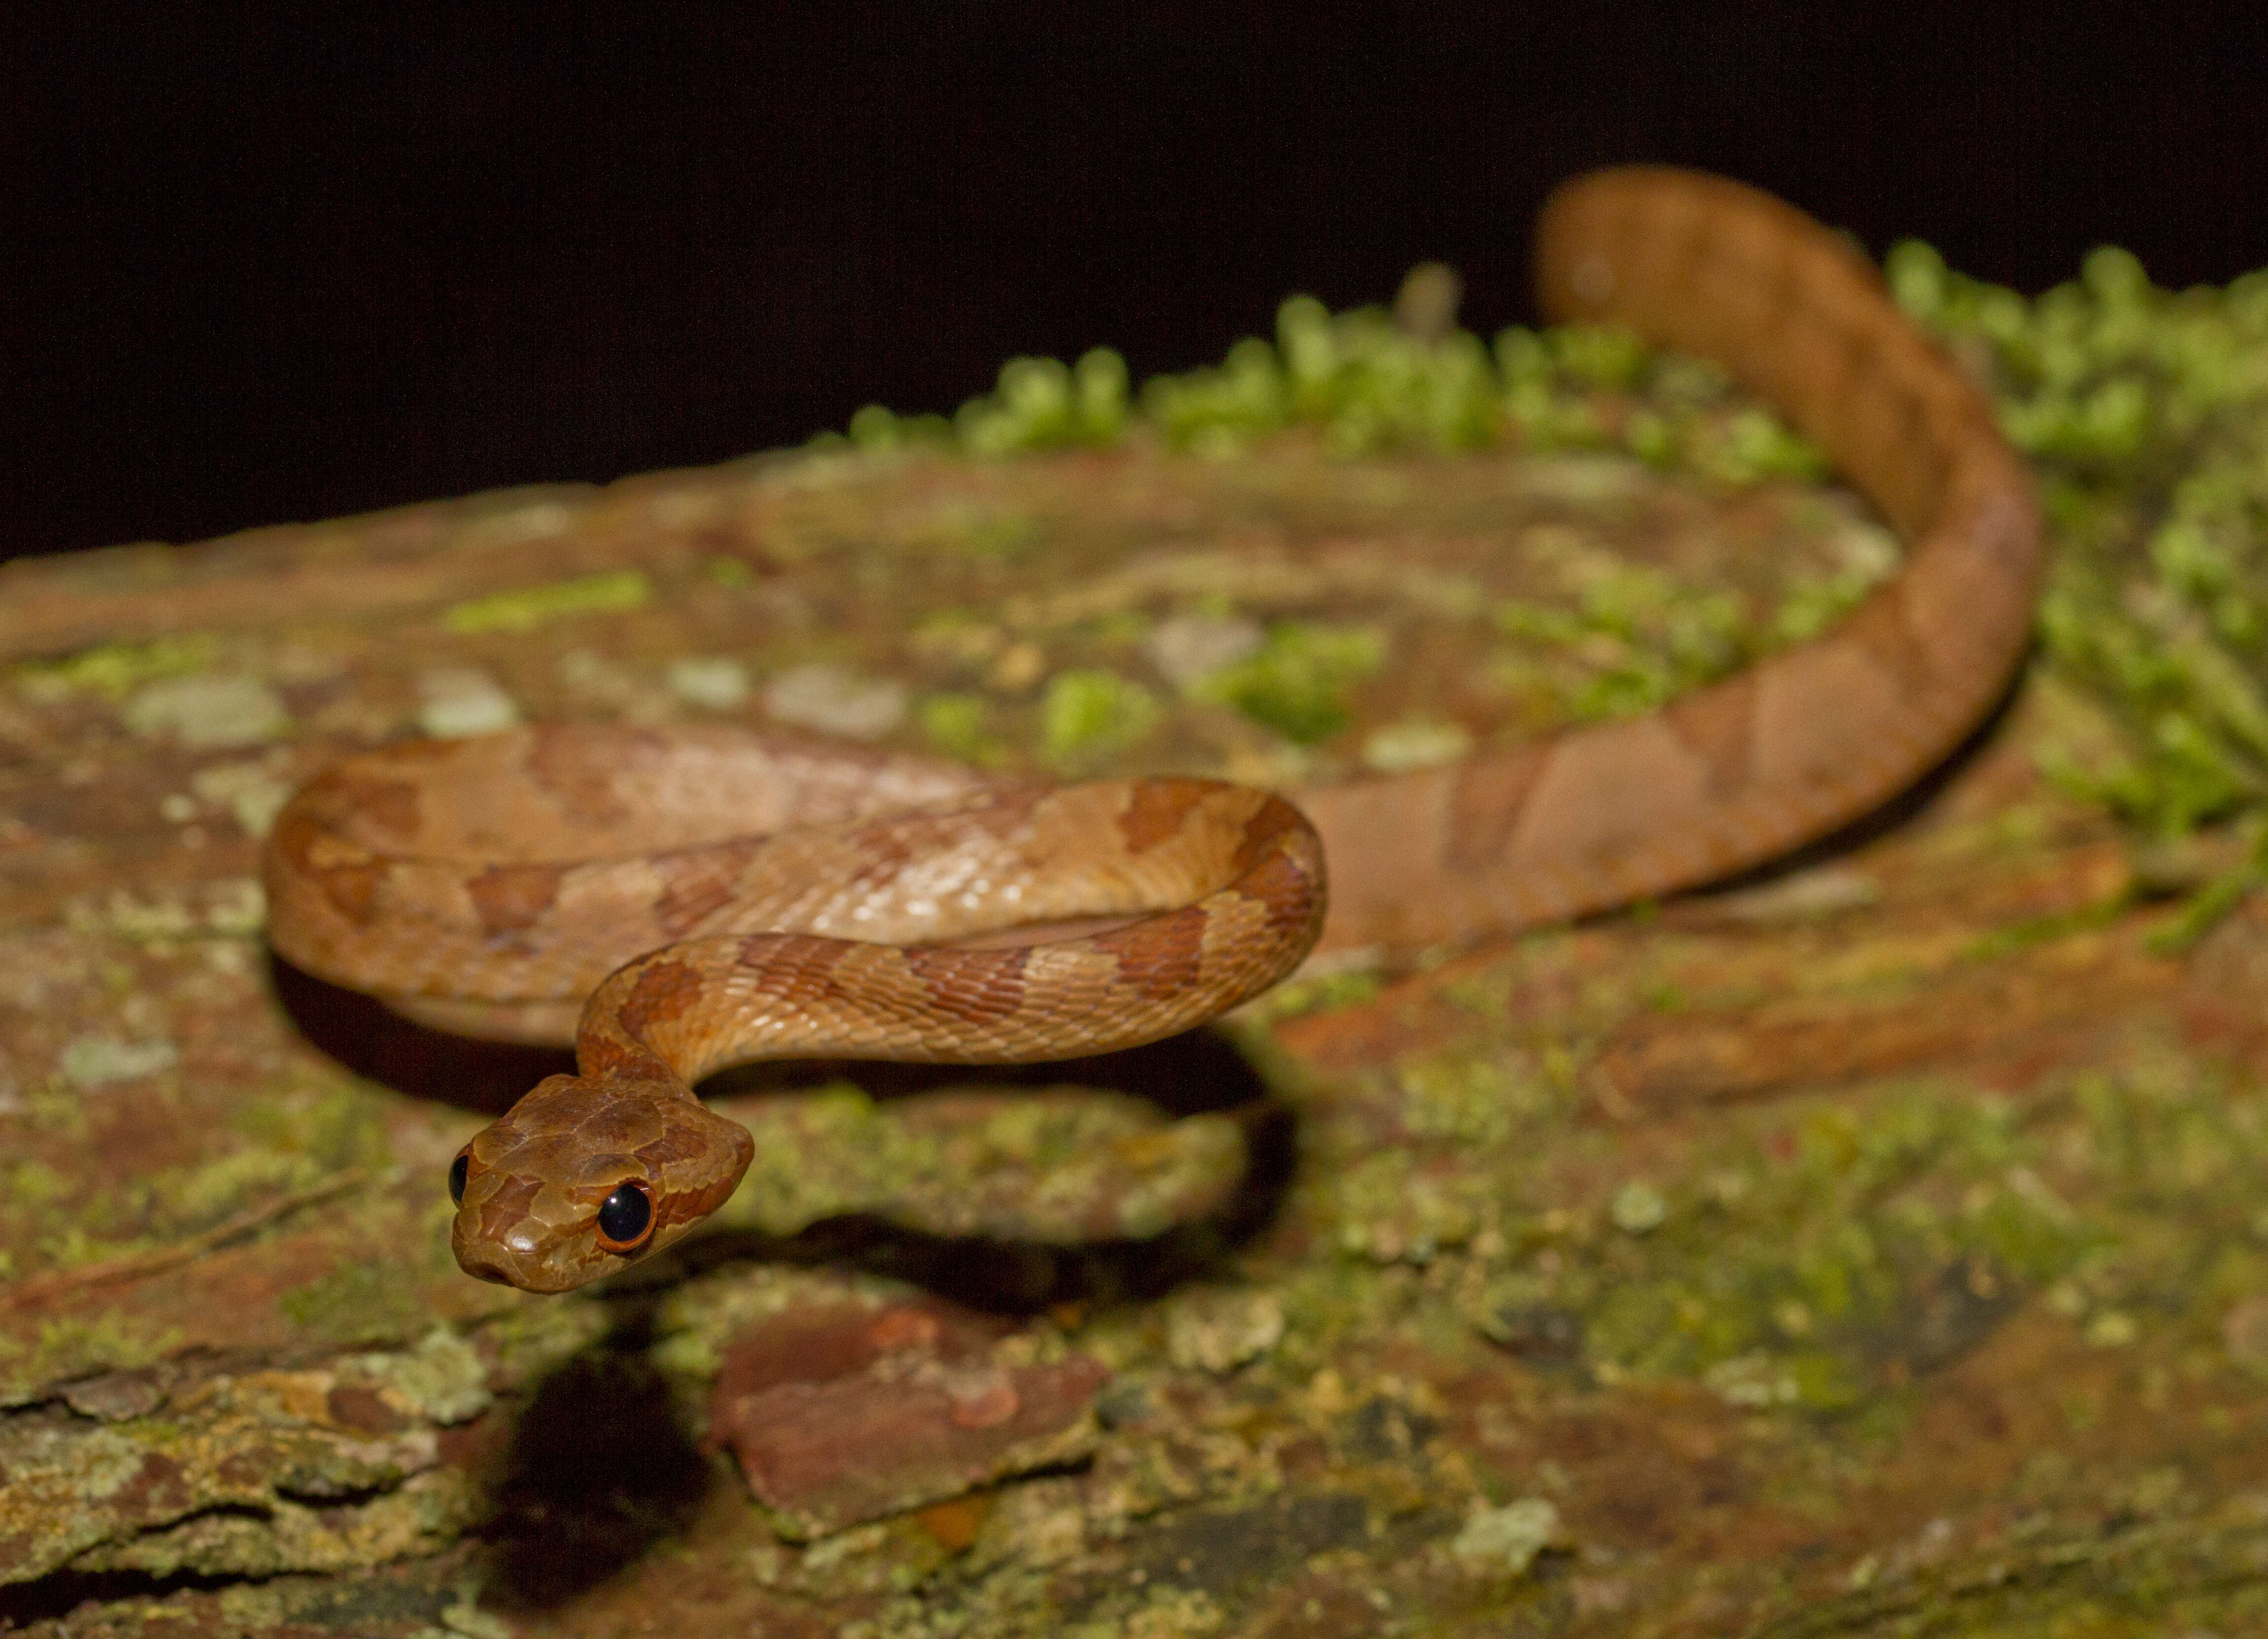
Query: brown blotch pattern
{"type": "Point", "coordinates": [293, 839]}
{"type": "Point", "coordinates": [690, 1206]}
{"type": "Point", "coordinates": [353, 890]}
{"type": "Point", "coordinates": [583, 787]}
{"type": "Point", "coordinates": [509, 898]}
{"type": "Point", "coordinates": [1716, 725]}
{"type": "Point", "coordinates": [696, 886]}
{"type": "Point", "coordinates": [972, 987]}
{"type": "Point", "coordinates": [795, 968]}
{"type": "Point", "coordinates": [1285, 889]}
{"type": "Point", "coordinates": [1160, 957]}
{"type": "Point", "coordinates": [511, 1201]}
{"type": "Point", "coordinates": [1485, 802]}
{"type": "Point", "coordinates": [666, 1151]}
{"type": "Point", "coordinates": [1878, 628]}
{"type": "Point", "coordinates": [1155, 811]}
{"type": "Point", "coordinates": [597, 1054]}
{"type": "Point", "coordinates": [1261, 832]}
{"type": "Point", "coordinates": [391, 808]}
{"type": "Point", "coordinates": [664, 991]}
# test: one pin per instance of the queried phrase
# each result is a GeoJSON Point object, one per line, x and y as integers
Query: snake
{"type": "Point", "coordinates": [678, 899]}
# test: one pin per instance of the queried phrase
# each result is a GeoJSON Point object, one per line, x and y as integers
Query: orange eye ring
{"type": "Point", "coordinates": [626, 1217]}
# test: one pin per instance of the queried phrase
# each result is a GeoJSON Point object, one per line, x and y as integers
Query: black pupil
{"type": "Point", "coordinates": [623, 1216]}
{"type": "Point", "coordinates": [457, 1169]}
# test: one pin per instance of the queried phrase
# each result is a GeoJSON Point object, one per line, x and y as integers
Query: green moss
{"type": "Point", "coordinates": [1652, 438]}
{"type": "Point", "coordinates": [2038, 930]}
{"type": "Point", "coordinates": [1220, 412]}
{"type": "Point", "coordinates": [1391, 1209]}
{"type": "Point", "coordinates": [115, 670]}
{"type": "Point", "coordinates": [1809, 608]}
{"type": "Point", "coordinates": [2216, 898]}
{"type": "Point", "coordinates": [1476, 1097]}
{"type": "Point", "coordinates": [1785, 1273]}
{"type": "Point", "coordinates": [443, 1377]}
{"type": "Point", "coordinates": [233, 1182]}
{"type": "Point", "coordinates": [526, 607]}
{"type": "Point", "coordinates": [982, 532]}
{"type": "Point", "coordinates": [1805, 1262]}
{"type": "Point", "coordinates": [1366, 386]}
{"type": "Point", "coordinates": [1362, 382]}
{"type": "Point", "coordinates": [370, 1302]}
{"type": "Point", "coordinates": [1041, 404]}
{"type": "Point", "coordinates": [33, 1183]}
{"type": "Point", "coordinates": [2147, 414]}
{"type": "Point", "coordinates": [1753, 446]}
{"type": "Point", "coordinates": [1092, 712]}
{"type": "Point", "coordinates": [875, 427]}
{"type": "Point", "coordinates": [1537, 622]}
{"type": "Point", "coordinates": [69, 1349]}
{"type": "Point", "coordinates": [1599, 355]}
{"type": "Point", "coordinates": [2146, 411]}
{"type": "Point", "coordinates": [336, 1126]}
{"type": "Point", "coordinates": [76, 1246]}
{"type": "Point", "coordinates": [532, 1339]}
{"type": "Point", "coordinates": [1295, 682]}
{"type": "Point", "coordinates": [954, 723]}
{"type": "Point", "coordinates": [1318, 993]}
{"type": "Point", "coordinates": [1636, 639]}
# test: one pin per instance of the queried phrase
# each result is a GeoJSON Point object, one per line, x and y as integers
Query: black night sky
{"type": "Point", "coordinates": [266, 263]}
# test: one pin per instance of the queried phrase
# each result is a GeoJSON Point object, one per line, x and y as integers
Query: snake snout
{"type": "Point", "coordinates": [483, 1269]}
{"type": "Point", "coordinates": [523, 1256]}
{"type": "Point", "coordinates": [487, 1258]}
{"type": "Point", "coordinates": [587, 1175]}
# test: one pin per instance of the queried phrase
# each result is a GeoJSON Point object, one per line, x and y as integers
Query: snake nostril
{"type": "Point", "coordinates": [458, 1169]}
{"type": "Point", "coordinates": [625, 1217]}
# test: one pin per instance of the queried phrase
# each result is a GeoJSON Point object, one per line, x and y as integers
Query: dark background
{"type": "Point", "coordinates": [263, 265]}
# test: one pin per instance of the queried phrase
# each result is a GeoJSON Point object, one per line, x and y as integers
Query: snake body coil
{"type": "Point", "coordinates": [794, 900]}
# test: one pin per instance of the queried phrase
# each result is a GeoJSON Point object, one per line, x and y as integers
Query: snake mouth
{"type": "Point", "coordinates": [489, 1263]}
{"type": "Point", "coordinates": [502, 1267]}
{"type": "Point", "coordinates": [519, 1256]}
{"type": "Point", "coordinates": [481, 1270]}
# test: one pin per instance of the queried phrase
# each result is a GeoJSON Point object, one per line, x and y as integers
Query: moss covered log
{"type": "Point", "coordinates": [1873, 1247]}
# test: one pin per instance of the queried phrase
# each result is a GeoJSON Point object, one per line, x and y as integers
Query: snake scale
{"type": "Point", "coordinates": [721, 897]}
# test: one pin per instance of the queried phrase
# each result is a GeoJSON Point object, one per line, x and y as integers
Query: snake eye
{"type": "Point", "coordinates": [625, 1217]}
{"type": "Point", "coordinates": [458, 1168]}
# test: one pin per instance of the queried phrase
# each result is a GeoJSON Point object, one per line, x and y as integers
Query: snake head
{"type": "Point", "coordinates": [585, 1175]}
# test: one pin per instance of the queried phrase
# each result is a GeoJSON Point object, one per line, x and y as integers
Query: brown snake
{"type": "Point", "coordinates": [797, 900]}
